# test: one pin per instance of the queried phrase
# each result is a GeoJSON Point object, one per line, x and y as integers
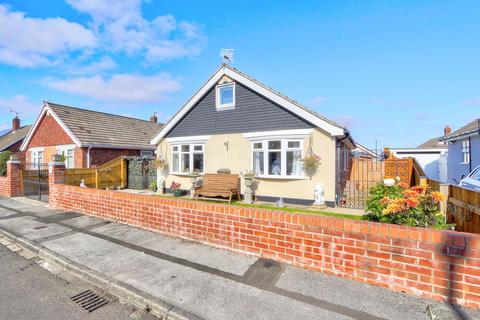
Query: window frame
{"type": "Point", "coordinates": [466, 151]}
{"type": "Point", "coordinates": [150, 153]}
{"type": "Point", "coordinates": [226, 106]}
{"type": "Point", "coordinates": [190, 153]}
{"type": "Point", "coordinates": [35, 157]}
{"type": "Point", "coordinates": [65, 150]}
{"type": "Point", "coordinates": [283, 157]}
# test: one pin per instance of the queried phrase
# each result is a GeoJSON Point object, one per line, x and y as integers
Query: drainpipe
{"type": "Point", "coordinates": [88, 156]}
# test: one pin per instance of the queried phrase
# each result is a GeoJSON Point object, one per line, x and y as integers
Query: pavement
{"type": "Point", "coordinates": [180, 279]}
{"type": "Point", "coordinates": [34, 289]}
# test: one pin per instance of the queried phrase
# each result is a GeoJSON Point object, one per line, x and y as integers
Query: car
{"type": "Point", "coordinates": [472, 181]}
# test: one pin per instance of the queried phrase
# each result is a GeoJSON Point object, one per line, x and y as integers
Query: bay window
{"type": "Point", "coordinates": [187, 158]}
{"type": "Point", "coordinates": [278, 158]}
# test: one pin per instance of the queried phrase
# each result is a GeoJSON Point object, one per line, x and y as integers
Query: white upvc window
{"type": "Point", "coordinates": [37, 159]}
{"type": "Point", "coordinates": [466, 151]}
{"type": "Point", "coordinates": [225, 96]}
{"type": "Point", "coordinates": [146, 153]}
{"type": "Point", "coordinates": [278, 158]}
{"type": "Point", "coordinates": [187, 158]}
{"type": "Point", "coordinates": [69, 153]}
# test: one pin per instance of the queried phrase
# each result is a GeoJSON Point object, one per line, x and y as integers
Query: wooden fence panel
{"type": "Point", "coordinates": [112, 174]}
{"type": "Point", "coordinates": [464, 209]}
{"type": "Point", "coordinates": [75, 176]}
{"type": "Point", "coordinates": [434, 185]}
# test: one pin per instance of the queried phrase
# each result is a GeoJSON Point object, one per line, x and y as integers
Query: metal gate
{"type": "Point", "coordinates": [356, 175]}
{"type": "Point", "coordinates": [35, 181]}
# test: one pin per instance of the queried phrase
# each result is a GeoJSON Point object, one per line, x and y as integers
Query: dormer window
{"type": "Point", "coordinates": [226, 96]}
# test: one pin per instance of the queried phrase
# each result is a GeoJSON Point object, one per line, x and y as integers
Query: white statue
{"type": "Point", "coordinates": [319, 194]}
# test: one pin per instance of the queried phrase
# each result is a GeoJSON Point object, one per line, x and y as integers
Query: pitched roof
{"type": "Point", "coordinates": [433, 143]}
{"type": "Point", "coordinates": [295, 107]}
{"type": "Point", "coordinates": [11, 137]}
{"type": "Point", "coordinates": [89, 128]}
{"type": "Point", "coordinates": [471, 128]}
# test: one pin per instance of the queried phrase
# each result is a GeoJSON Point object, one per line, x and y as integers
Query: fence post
{"type": "Point", "coordinates": [123, 172]}
{"type": "Point", "coordinates": [445, 190]}
{"type": "Point", "coordinates": [97, 179]}
{"type": "Point", "coordinates": [56, 171]}
{"type": "Point", "coordinates": [14, 174]}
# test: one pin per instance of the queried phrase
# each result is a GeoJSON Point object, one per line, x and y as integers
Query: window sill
{"type": "Point", "coordinates": [225, 107]}
{"type": "Point", "coordinates": [465, 163]}
{"type": "Point", "coordinates": [282, 177]}
{"type": "Point", "coordinates": [184, 174]}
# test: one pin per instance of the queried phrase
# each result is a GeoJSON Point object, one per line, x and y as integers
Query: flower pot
{"type": "Point", "coordinates": [248, 182]}
{"type": "Point", "coordinates": [177, 193]}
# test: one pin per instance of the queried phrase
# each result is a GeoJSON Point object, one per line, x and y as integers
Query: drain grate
{"type": "Point", "coordinates": [89, 300]}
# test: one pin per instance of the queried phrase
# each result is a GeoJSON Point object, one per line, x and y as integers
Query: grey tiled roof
{"type": "Point", "coordinates": [298, 104]}
{"type": "Point", "coordinates": [10, 138]}
{"type": "Point", "coordinates": [433, 143]}
{"type": "Point", "coordinates": [93, 128]}
{"type": "Point", "coordinates": [472, 127]}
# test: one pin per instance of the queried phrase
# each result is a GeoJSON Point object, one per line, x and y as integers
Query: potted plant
{"type": "Point", "coordinates": [224, 171]}
{"type": "Point", "coordinates": [311, 162]}
{"type": "Point", "coordinates": [249, 176]}
{"type": "Point", "coordinates": [175, 187]}
{"type": "Point", "coordinates": [153, 186]}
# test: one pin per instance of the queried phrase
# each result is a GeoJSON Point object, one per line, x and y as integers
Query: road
{"type": "Point", "coordinates": [28, 291]}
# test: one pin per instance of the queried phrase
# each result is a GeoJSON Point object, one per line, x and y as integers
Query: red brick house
{"type": "Point", "coordinates": [87, 138]}
{"type": "Point", "coordinates": [13, 139]}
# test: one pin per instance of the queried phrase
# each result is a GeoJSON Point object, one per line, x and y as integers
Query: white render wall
{"type": "Point", "coordinates": [433, 161]}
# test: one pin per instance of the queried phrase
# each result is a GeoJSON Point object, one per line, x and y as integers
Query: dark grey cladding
{"type": "Point", "coordinates": [252, 113]}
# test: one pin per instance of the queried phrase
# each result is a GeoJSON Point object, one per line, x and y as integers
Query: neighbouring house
{"type": "Point", "coordinates": [430, 155]}
{"type": "Point", "coordinates": [363, 152]}
{"type": "Point", "coordinates": [235, 122]}
{"type": "Point", "coordinates": [463, 151]}
{"type": "Point", "coordinates": [86, 138]}
{"type": "Point", "coordinates": [13, 139]}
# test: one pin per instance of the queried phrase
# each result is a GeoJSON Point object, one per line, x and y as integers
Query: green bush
{"type": "Point", "coordinates": [4, 157]}
{"type": "Point", "coordinates": [400, 204]}
{"type": "Point", "coordinates": [153, 186]}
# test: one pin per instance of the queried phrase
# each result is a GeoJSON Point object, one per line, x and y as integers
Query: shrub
{"type": "Point", "coordinates": [4, 157]}
{"type": "Point", "coordinates": [153, 186]}
{"type": "Point", "coordinates": [400, 204]}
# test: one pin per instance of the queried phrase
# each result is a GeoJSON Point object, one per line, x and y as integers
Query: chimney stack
{"type": "Point", "coordinates": [154, 118]}
{"type": "Point", "coordinates": [447, 130]}
{"type": "Point", "coordinates": [15, 124]}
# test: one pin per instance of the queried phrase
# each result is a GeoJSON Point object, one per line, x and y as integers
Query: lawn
{"type": "Point", "coordinates": [292, 210]}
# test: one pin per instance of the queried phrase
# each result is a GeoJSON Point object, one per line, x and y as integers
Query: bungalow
{"type": "Point", "coordinates": [13, 139]}
{"type": "Point", "coordinates": [234, 122]}
{"type": "Point", "coordinates": [86, 138]}
{"type": "Point", "coordinates": [463, 151]}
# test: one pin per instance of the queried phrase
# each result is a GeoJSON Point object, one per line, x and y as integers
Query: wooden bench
{"type": "Point", "coordinates": [219, 185]}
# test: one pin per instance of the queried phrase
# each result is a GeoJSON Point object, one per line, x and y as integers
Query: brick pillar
{"type": "Point", "coordinates": [56, 171]}
{"type": "Point", "coordinates": [14, 176]}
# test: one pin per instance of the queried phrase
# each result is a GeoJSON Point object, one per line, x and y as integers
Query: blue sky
{"type": "Point", "coordinates": [392, 71]}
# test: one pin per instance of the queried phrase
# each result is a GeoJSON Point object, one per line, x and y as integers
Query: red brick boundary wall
{"type": "Point", "coordinates": [11, 185]}
{"type": "Point", "coordinates": [429, 263]}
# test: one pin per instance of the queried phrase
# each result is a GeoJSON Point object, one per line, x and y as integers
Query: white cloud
{"type": "Point", "coordinates": [29, 42]}
{"type": "Point", "coordinates": [19, 103]}
{"type": "Point", "coordinates": [122, 28]}
{"type": "Point", "coordinates": [106, 63]}
{"type": "Point", "coordinates": [119, 87]}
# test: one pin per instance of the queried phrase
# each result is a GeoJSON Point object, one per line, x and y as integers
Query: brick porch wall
{"type": "Point", "coordinates": [424, 262]}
